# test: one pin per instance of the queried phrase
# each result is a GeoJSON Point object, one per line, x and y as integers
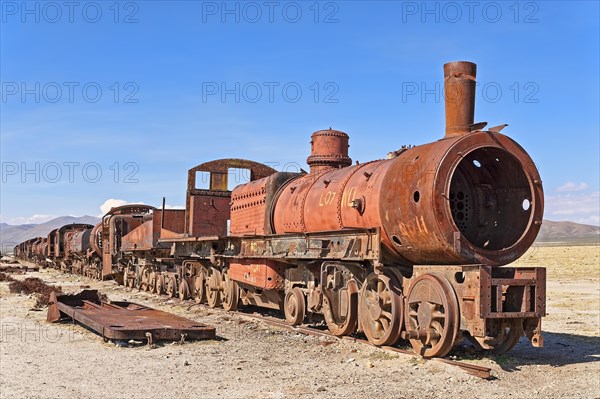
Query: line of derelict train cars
{"type": "Point", "coordinates": [414, 246]}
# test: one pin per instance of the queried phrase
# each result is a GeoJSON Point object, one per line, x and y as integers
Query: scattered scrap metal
{"type": "Point", "coordinates": [121, 320]}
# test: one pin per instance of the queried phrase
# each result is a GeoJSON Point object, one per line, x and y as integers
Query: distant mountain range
{"type": "Point", "coordinates": [551, 232]}
{"type": "Point", "coordinates": [568, 232]}
{"type": "Point", "coordinates": [11, 235]}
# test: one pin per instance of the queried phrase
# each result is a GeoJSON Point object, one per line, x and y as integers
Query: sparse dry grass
{"type": "Point", "coordinates": [565, 262]}
{"type": "Point", "coordinates": [382, 355]}
{"type": "Point", "coordinates": [573, 286]}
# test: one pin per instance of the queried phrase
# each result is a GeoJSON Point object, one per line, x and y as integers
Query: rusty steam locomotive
{"type": "Point", "coordinates": [413, 246]}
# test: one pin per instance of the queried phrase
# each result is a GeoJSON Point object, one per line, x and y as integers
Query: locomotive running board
{"type": "Point", "coordinates": [124, 320]}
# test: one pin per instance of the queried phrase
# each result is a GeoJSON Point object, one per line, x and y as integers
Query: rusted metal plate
{"type": "Point", "coordinates": [350, 245]}
{"type": "Point", "coordinates": [139, 239]}
{"type": "Point", "coordinates": [513, 292]}
{"type": "Point", "coordinates": [207, 211]}
{"type": "Point", "coordinates": [125, 320]}
{"type": "Point", "coordinates": [146, 236]}
{"type": "Point", "coordinates": [208, 214]}
{"type": "Point", "coordinates": [251, 204]}
{"type": "Point", "coordinates": [265, 274]}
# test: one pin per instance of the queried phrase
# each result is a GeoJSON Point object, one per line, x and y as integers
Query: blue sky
{"type": "Point", "coordinates": [143, 91]}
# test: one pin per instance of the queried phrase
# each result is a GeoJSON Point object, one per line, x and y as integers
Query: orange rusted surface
{"type": "Point", "coordinates": [146, 236]}
{"type": "Point", "coordinates": [139, 239]}
{"type": "Point", "coordinates": [248, 208]}
{"type": "Point", "coordinates": [263, 274]}
{"type": "Point", "coordinates": [251, 204]}
{"type": "Point", "coordinates": [96, 240]}
{"type": "Point", "coordinates": [125, 320]}
{"type": "Point", "coordinates": [459, 96]}
{"type": "Point", "coordinates": [208, 210]}
{"type": "Point", "coordinates": [116, 224]}
{"type": "Point", "coordinates": [328, 150]}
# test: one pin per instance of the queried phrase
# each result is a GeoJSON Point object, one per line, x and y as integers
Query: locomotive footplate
{"type": "Point", "coordinates": [346, 245]}
{"type": "Point", "coordinates": [497, 305]}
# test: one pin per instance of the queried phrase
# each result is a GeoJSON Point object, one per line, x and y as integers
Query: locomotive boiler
{"type": "Point", "coordinates": [472, 197]}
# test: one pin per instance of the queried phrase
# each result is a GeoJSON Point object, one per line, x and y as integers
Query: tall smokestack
{"type": "Point", "coordinates": [459, 90]}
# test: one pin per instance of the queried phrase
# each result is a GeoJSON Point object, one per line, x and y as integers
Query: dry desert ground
{"type": "Point", "coordinates": [253, 360]}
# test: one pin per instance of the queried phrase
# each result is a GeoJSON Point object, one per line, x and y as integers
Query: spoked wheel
{"type": "Point", "coordinates": [432, 315]}
{"type": "Point", "coordinates": [184, 290]}
{"type": "Point", "coordinates": [131, 282]}
{"type": "Point", "coordinates": [138, 280]}
{"type": "Point", "coordinates": [510, 332]}
{"type": "Point", "coordinates": [381, 308]}
{"type": "Point", "coordinates": [200, 288]}
{"type": "Point", "coordinates": [125, 278]}
{"type": "Point", "coordinates": [129, 276]}
{"type": "Point", "coordinates": [153, 282]}
{"type": "Point", "coordinates": [231, 293]}
{"type": "Point", "coordinates": [213, 288]}
{"type": "Point", "coordinates": [294, 307]}
{"type": "Point", "coordinates": [171, 286]}
{"type": "Point", "coordinates": [160, 284]}
{"type": "Point", "coordinates": [341, 315]}
{"type": "Point", "coordinates": [143, 280]}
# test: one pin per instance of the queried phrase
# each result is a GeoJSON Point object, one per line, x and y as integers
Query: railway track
{"type": "Point", "coordinates": [473, 369]}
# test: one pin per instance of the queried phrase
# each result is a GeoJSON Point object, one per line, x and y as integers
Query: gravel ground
{"type": "Point", "coordinates": [254, 360]}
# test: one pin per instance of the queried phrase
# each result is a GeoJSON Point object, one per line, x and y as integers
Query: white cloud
{"type": "Point", "coordinates": [33, 219]}
{"type": "Point", "coordinates": [572, 186]}
{"type": "Point", "coordinates": [113, 203]}
{"type": "Point", "coordinates": [579, 208]}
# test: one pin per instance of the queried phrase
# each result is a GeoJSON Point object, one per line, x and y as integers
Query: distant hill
{"type": "Point", "coordinates": [551, 232]}
{"type": "Point", "coordinates": [11, 235]}
{"type": "Point", "coordinates": [568, 232]}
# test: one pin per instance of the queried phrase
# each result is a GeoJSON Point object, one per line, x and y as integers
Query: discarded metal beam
{"type": "Point", "coordinates": [125, 320]}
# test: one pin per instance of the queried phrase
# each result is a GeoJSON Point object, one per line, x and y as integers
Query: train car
{"type": "Point", "coordinates": [50, 250]}
{"type": "Point", "coordinates": [413, 246]}
{"type": "Point", "coordinates": [198, 251]}
{"type": "Point", "coordinates": [92, 266]}
{"type": "Point", "coordinates": [106, 259]}
{"type": "Point", "coordinates": [25, 250]}
{"type": "Point", "coordinates": [151, 268]}
{"type": "Point", "coordinates": [67, 246]}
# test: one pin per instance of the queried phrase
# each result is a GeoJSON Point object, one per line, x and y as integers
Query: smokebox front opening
{"type": "Point", "coordinates": [490, 198]}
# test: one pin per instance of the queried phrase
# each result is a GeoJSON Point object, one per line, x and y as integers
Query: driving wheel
{"type": "Point", "coordinates": [171, 286]}
{"type": "Point", "coordinates": [231, 293]}
{"type": "Point", "coordinates": [294, 306]}
{"type": "Point", "coordinates": [432, 315]}
{"type": "Point", "coordinates": [184, 290]}
{"type": "Point", "coordinates": [200, 288]}
{"type": "Point", "coordinates": [381, 308]}
{"type": "Point", "coordinates": [213, 288]}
